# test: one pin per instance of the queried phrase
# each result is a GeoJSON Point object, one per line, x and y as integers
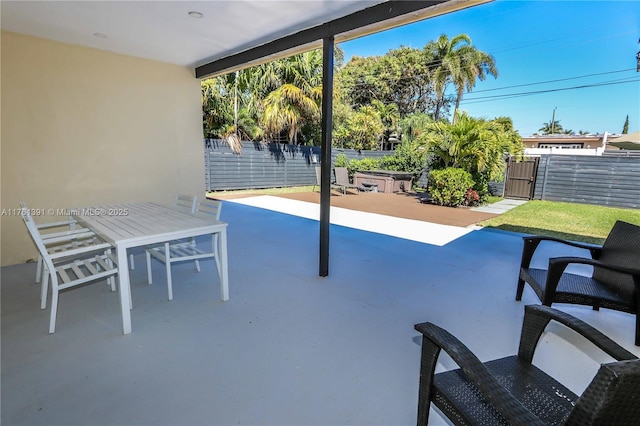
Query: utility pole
{"type": "Point", "coordinates": [553, 121]}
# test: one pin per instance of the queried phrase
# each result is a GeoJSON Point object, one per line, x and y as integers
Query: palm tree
{"type": "Point", "coordinates": [413, 125]}
{"type": "Point", "coordinates": [287, 108]}
{"type": "Point", "coordinates": [475, 66]}
{"type": "Point", "coordinates": [390, 116]}
{"type": "Point", "coordinates": [553, 127]}
{"type": "Point", "coordinates": [475, 145]}
{"type": "Point", "coordinates": [298, 94]}
{"type": "Point", "coordinates": [457, 62]}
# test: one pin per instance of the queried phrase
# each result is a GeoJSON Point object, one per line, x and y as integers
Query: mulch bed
{"type": "Point", "coordinates": [406, 205]}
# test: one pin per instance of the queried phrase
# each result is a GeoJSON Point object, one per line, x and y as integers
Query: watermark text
{"type": "Point", "coordinates": [88, 211]}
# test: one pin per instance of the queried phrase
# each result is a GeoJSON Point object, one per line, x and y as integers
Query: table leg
{"type": "Point", "coordinates": [125, 295]}
{"type": "Point", "coordinates": [224, 268]}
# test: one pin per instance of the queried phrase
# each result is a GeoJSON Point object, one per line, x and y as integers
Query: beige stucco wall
{"type": "Point", "coordinates": [82, 126]}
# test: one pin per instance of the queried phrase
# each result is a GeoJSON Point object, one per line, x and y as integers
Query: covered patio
{"type": "Point", "coordinates": [288, 347]}
{"type": "Point", "coordinates": [94, 118]}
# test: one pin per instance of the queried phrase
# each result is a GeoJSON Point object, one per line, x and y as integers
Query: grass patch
{"type": "Point", "coordinates": [266, 191]}
{"type": "Point", "coordinates": [570, 221]}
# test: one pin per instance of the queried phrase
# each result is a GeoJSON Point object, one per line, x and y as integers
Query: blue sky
{"type": "Point", "coordinates": [582, 43]}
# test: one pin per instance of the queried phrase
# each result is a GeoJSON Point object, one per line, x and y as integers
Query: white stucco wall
{"type": "Point", "coordinates": [81, 126]}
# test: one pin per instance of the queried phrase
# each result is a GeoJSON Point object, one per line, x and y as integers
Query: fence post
{"type": "Point", "coordinates": [544, 179]}
{"type": "Point", "coordinates": [286, 166]}
{"type": "Point", "coordinates": [207, 169]}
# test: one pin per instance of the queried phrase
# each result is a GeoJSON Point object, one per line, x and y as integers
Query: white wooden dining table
{"type": "Point", "coordinates": [139, 224]}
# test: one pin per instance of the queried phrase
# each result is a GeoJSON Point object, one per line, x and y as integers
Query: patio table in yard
{"type": "Point", "coordinates": [144, 223]}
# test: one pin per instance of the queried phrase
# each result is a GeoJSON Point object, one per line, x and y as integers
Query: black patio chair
{"type": "Point", "coordinates": [342, 180]}
{"type": "Point", "coordinates": [614, 283]}
{"type": "Point", "coordinates": [318, 178]}
{"type": "Point", "coordinates": [512, 391]}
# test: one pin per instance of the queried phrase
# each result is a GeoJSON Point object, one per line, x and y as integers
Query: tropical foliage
{"type": "Point", "coordinates": [455, 61]}
{"type": "Point", "coordinates": [407, 157]}
{"type": "Point", "coordinates": [399, 78]}
{"type": "Point", "coordinates": [476, 145]}
{"type": "Point", "coordinates": [553, 127]}
{"type": "Point", "coordinates": [366, 163]}
{"type": "Point", "coordinates": [362, 129]}
{"type": "Point", "coordinates": [376, 99]}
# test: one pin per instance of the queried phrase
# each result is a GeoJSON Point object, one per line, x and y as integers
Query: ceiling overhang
{"type": "Point", "coordinates": [391, 14]}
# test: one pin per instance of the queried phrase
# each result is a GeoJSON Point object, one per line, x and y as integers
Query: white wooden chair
{"type": "Point", "coordinates": [183, 202]}
{"type": "Point", "coordinates": [61, 236]}
{"type": "Point", "coordinates": [70, 268]}
{"type": "Point", "coordinates": [172, 252]}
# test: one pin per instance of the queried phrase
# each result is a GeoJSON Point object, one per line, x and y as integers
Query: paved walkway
{"type": "Point", "coordinates": [500, 207]}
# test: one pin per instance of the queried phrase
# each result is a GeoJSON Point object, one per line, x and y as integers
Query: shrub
{"type": "Point", "coordinates": [471, 198]}
{"type": "Point", "coordinates": [366, 163]}
{"type": "Point", "coordinates": [449, 186]}
{"type": "Point", "coordinates": [341, 160]}
{"type": "Point", "coordinates": [408, 157]}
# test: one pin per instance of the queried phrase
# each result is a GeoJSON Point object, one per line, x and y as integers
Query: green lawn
{"type": "Point", "coordinates": [572, 221]}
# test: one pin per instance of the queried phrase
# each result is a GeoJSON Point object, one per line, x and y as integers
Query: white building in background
{"type": "Point", "coordinates": [567, 144]}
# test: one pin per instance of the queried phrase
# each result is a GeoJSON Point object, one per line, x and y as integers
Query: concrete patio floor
{"type": "Point", "coordinates": [288, 347]}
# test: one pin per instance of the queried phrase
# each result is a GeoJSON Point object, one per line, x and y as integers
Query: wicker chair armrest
{"type": "Point", "coordinates": [563, 262]}
{"type": "Point", "coordinates": [536, 319]}
{"type": "Point", "coordinates": [532, 242]}
{"type": "Point", "coordinates": [503, 401]}
{"type": "Point", "coordinates": [557, 266]}
{"type": "Point", "coordinates": [540, 238]}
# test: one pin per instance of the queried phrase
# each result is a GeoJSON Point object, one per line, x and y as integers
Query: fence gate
{"type": "Point", "coordinates": [521, 178]}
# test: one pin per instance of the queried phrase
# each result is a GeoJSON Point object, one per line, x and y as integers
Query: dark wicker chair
{"type": "Point", "coordinates": [512, 391]}
{"type": "Point", "coordinates": [614, 283]}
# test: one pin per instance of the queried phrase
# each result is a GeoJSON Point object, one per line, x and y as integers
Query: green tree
{"type": "Point", "coordinates": [455, 61]}
{"type": "Point", "coordinates": [389, 116]}
{"type": "Point", "coordinates": [413, 126]}
{"type": "Point", "coordinates": [625, 128]}
{"type": "Point", "coordinates": [296, 81]}
{"type": "Point", "coordinates": [473, 144]}
{"type": "Point", "coordinates": [360, 81]}
{"type": "Point", "coordinates": [287, 108]}
{"type": "Point", "coordinates": [408, 81]}
{"type": "Point", "coordinates": [399, 77]}
{"type": "Point", "coordinates": [361, 129]}
{"type": "Point", "coordinates": [217, 112]}
{"type": "Point", "coordinates": [297, 97]}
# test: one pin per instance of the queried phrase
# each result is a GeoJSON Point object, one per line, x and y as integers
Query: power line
{"type": "Point", "coordinates": [538, 92]}
{"type": "Point", "coordinates": [519, 85]}
{"type": "Point", "coordinates": [437, 63]}
{"type": "Point", "coordinates": [551, 81]}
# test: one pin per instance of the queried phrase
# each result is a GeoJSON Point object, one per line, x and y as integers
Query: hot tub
{"type": "Point", "coordinates": [387, 181]}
